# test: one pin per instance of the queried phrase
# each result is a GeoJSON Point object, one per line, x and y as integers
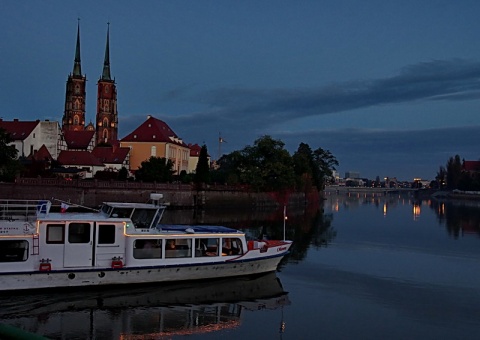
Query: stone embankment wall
{"type": "Point", "coordinates": [93, 193]}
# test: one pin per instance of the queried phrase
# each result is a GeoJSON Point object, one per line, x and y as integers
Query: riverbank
{"type": "Point", "coordinates": [93, 193]}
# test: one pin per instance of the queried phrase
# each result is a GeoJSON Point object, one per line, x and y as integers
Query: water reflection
{"type": "Point", "coordinates": [146, 312]}
{"type": "Point", "coordinates": [460, 217]}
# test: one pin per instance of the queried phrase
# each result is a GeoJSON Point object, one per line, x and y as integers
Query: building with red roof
{"type": "Point", "coordinates": [29, 136]}
{"type": "Point", "coordinates": [194, 156]}
{"type": "Point", "coordinates": [154, 138]}
{"type": "Point", "coordinates": [113, 157]}
{"type": "Point", "coordinates": [82, 160]}
{"type": "Point", "coordinates": [79, 140]}
{"type": "Point", "coordinates": [471, 166]}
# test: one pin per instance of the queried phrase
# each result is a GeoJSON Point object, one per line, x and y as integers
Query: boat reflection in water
{"type": "Point", "coordinates": [144, 312]}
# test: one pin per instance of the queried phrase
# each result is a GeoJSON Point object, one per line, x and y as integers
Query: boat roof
{"type": "Point", "coordinates": [132, 205]}
{"type": "Point", "coordinates": [79, 216]}
{"type": "Point", "coordinates": [198, 228]}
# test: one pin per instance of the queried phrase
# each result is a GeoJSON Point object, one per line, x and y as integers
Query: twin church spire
{"type": "Point", "coordinates": [106, 127]}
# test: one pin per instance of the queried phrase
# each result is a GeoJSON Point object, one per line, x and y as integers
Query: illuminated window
{"type": "Point", "coordinates": [147, 249]}
{"type": "Point", "coordinates": [55, 233]}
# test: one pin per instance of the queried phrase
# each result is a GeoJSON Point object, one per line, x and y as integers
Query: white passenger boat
{"type": "Point", "coordinates": [123, 243]}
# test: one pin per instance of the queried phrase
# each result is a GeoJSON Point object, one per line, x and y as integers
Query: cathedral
{"type": "Point", "coordinates": [106, 120]}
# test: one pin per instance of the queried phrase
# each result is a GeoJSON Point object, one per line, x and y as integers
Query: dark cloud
{"type": "Point", "coordinates": [435, 80]}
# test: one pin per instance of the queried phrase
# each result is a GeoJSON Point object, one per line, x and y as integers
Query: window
{"type": "Point", "coordinates": [231, 246]}
{"type": "Point", "coordinates": [79, 233]}
{"type": "Point", "coordinates": [147, 249]}
{"type": "Point", "coordinates": [181, 247]}
{"type": "Point", "coordinates": [154, 151]}
{"type": "Point", "coordinates": [206, 247]}
{"type": "Point", "coordinates": [55, 233]}
{"type": "Point", "coordinates": [106, 234]}
{"type": "Point", "coordinates": [142, 218]}
{"type": "Point", "coordinates": [13, 250]}
{"type": "Point", "coordinates": [121, 212]}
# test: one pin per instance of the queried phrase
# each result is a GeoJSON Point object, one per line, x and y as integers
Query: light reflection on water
{"type": "Point", "coordinates": [364, 266]}
{"type": "Point", "coordinates": [397, 268]}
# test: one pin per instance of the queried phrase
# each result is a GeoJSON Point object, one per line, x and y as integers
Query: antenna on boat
{"type": "Point", "coordinates": [66, 205]}
{"type": "Point", "coordinates": [284, 219]}
{"type": "Point", "coordinates": [155, 198]}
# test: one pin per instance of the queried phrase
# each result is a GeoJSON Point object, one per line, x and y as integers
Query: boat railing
{"type": "Point", "coordinates": [26, 210]}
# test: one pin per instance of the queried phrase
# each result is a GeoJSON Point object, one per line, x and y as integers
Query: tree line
{"type": "Point", "coordinates": [453, 176]}
{"type": "Point", "coordinates": [264, 166]}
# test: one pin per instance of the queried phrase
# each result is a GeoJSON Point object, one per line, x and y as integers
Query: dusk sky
{"type": "Point", "coordinates": [391, 88]}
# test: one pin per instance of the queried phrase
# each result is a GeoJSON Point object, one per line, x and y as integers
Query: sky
{"type": "Point", "coordinates": [390, 88]}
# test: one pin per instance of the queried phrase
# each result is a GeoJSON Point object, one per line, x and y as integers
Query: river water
{"type": "Point", "coordinates": [363, 266]}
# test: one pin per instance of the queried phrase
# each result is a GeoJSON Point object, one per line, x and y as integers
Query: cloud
{"type": "Point", "coordinates": [456, 79]}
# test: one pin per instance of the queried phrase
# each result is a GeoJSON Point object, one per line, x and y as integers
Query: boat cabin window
{"type": "Point", "coordinates": [206, 247]}
{"type": "Point", "coordinates": [121, 212]}
{"type": "Point", "coordinates": [147, 249]}
{"type": "Point", "coordinates": [106, 209]}
{"type": "Point", "coordinates": [55, 233]}
{"type": "Point", "coordinates": [231, 246]}
{"type": "Point", "coordinates": [79, 232]}
{"type": "Point", "coordinates": [106, 234]}
{"type": "Point", "coordinates": [13, 250]}
{"type": "Point", "coordinates": [142, 218]}
{"type": "Point", "coordinates": [178, 248]}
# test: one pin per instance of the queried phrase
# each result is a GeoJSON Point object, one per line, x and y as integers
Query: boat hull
{"type": "Point", "coordinates": [136, 275]}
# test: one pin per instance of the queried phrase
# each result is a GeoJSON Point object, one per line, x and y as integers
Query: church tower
{"type": "Point", "coordinates": [107, 116]}
{"type": "Point", "coordinates": [74, 113]}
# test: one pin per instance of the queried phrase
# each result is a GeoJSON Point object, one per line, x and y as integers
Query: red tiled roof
{"type": "Point", "coordinates": [42, 154]}
{"type": "Point", "coordinates": [153, 130]}
{"type": "Point", "coordinates": [18, 130]}
{"type": "Point", "coordinates": [194, 150]}
{"type": "Point", "coordinates": [471, 165]}
{"type": "Point", "coordinates": [111, 155]}
{"type": "Point", "coordinates": [69, 157]}
{"type": "Point", "coordinates": [78, 139]}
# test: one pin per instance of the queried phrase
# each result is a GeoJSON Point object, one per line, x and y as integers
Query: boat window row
{"type": "Point", "coordinates": [186, 247]}
{"type": "Point", "coordinates": [79, 232]}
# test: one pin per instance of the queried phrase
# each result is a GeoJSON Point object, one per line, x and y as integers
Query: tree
{"type": "Point", "coordinates": [155, 169]}
{"type": "Point", "coordinates": [454, 172]}
{"type": "Point", "coordinates": [303, 166]}
{"type": "Point", "coordinates": [9, 165]}
{"type": "Point", "coordinates": [325, 164]}
{"type": "Point", "coordinates": [267, 166]}
{"type": "Point", "coordinates": [122, 174]}
{"type": "Point", "coordinates": [202, 171]}
{"type": "Point", "coordinates": [441, 177]}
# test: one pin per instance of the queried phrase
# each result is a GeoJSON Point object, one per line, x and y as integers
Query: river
{"type": "Point", "coordinates": [363, 266]}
